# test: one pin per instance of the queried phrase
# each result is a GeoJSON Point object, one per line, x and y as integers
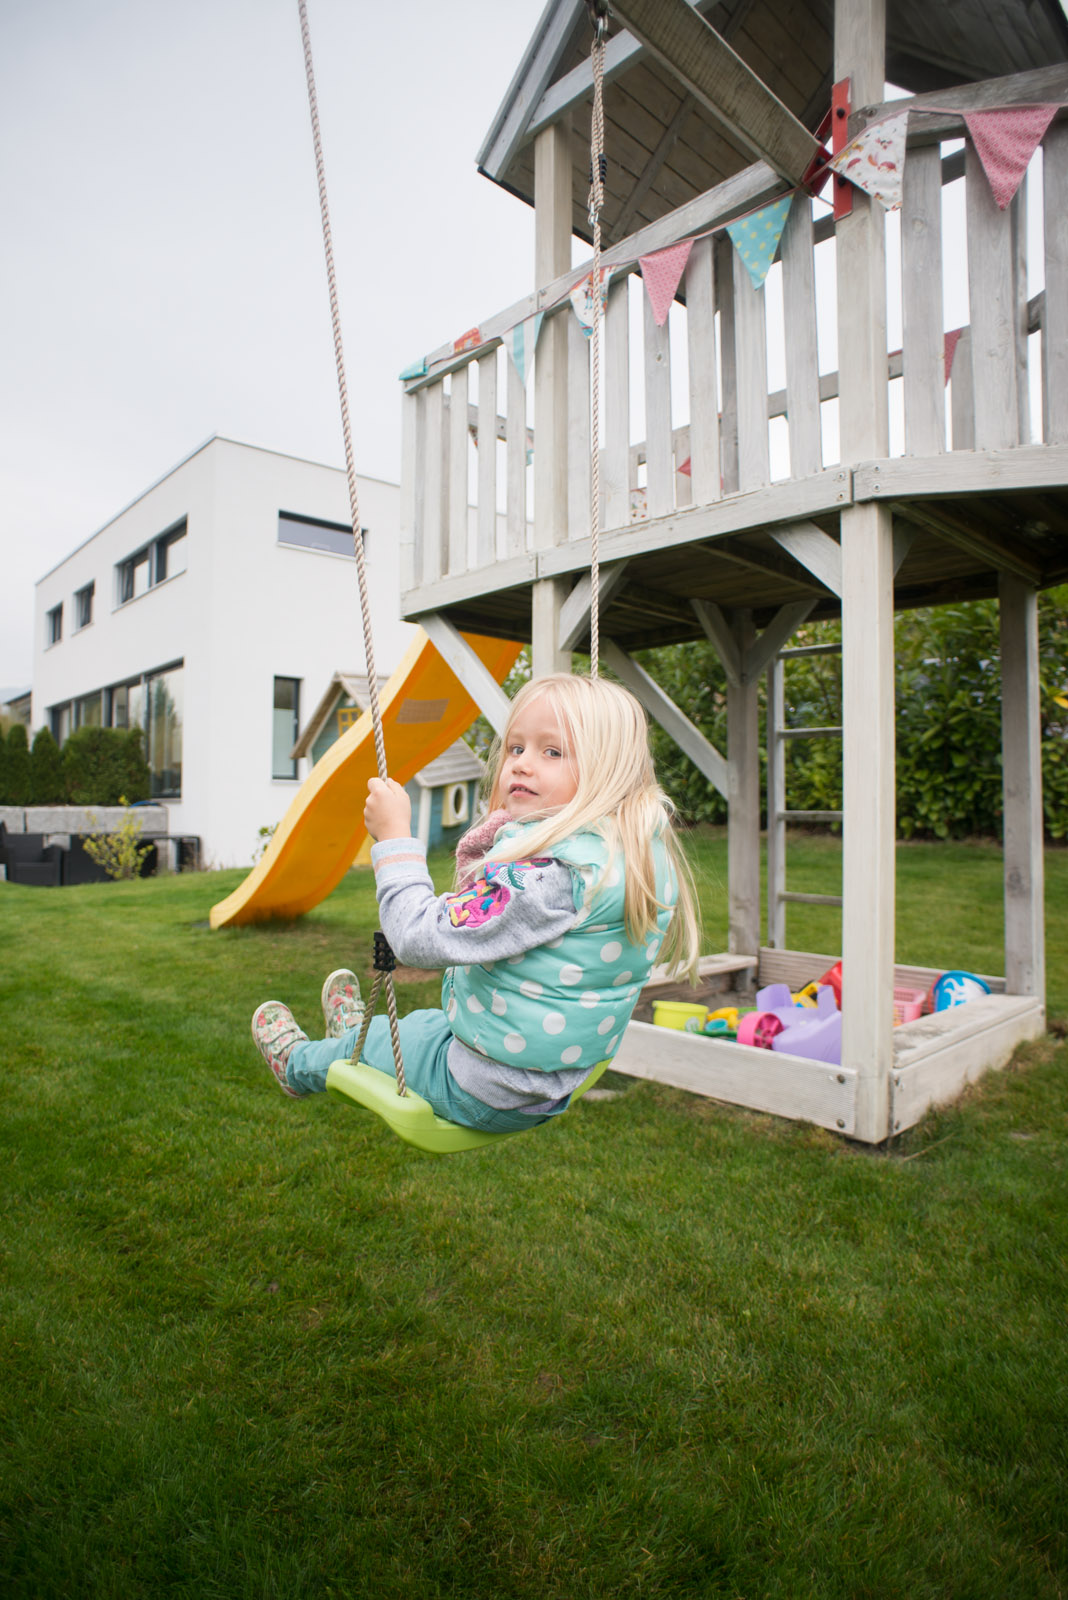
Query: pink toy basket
{"type": "Point", "coordinates": [908, 1004]}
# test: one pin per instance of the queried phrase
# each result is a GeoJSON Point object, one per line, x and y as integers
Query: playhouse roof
{"type": "Point", "coordinates": [665, 146]}
{"type": "Point", "coordinates": [458, 764]}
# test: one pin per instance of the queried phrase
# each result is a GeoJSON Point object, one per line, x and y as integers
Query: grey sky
{"type": "Point", "coordinates": [162, 277]}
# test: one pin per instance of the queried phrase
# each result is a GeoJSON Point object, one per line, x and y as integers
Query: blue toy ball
{"type": "Point", "coordinates": [954, 988]}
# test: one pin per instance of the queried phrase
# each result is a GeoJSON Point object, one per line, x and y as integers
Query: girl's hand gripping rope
{"type": "Point", "coordinates": [388, 812]}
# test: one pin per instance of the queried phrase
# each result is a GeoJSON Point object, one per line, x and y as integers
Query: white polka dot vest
{"type": "Point", "coordinates": [564, 1004]}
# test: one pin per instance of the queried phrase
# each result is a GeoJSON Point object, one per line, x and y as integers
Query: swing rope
{"type": "Point", "coordinates": [599, 18]}
{"type": "Point", "coordinates": [357, 542]}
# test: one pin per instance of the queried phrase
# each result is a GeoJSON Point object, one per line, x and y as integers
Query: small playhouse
{"type": "Point", "coordinates": [444, 793]}
{"type": "Point", "coordinates": [810, 408]}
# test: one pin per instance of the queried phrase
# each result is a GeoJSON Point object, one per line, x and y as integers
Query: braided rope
{"type": "Point", "coordinates": [596, 203]}
{"type": "Point", "coordinates": [354, 506]}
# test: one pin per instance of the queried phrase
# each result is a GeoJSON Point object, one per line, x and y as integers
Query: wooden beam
{"type": "Point", "coordinates": [1021, 763]}
{"type": "Point", "coordinates": [962, 471]}
{"type": "Point", "coordinates": [742, 192]}
{"type": "Point", "coordinates": [904, 537]}
{"type": "Point", "coordinates": [703, 61]}
{"type": "Point", "coordinates": [785, 622]}
{"type": "Point", "coordinates": [650, 172]}
{"type": "Point", "coordinates": [1041, 84]}
{"type": "Point", "coordinates": [575, 610]}
{"type": "Point", "coordinates": [511, 126]}
{"type": "Point", "coordinates": [988, 547]}
{"type": "Point", "coordinates": [743, 799]}
{"type": "Point", "coordinates": [757, 561]}
{"type": "Point", "coordinates": [576, 86]}
{"type": "Point", "coordinates": [458, 655]}
{"type": "Point", "coordinates": [691, 741]}
{"type": "Point", "coordinates": [722, 640]}
{"type": "Point", "coordinates": [816, 551]}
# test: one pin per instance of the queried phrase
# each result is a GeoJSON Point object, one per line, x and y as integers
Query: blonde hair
{"type": "Point", "coordinates": [617, 796]}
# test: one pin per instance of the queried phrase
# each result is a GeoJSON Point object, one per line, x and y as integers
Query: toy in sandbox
{"type": "Point", "coordinates": [809, 1023]}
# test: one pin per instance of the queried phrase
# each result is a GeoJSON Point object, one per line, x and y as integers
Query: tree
{"type": "Point", "coordinates": [17, 783]}
{"type": "Point", "coordinates": [46, 770]}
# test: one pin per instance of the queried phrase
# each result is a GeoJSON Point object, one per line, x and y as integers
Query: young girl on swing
{"type": "Point", "coordinates": [566, 895]}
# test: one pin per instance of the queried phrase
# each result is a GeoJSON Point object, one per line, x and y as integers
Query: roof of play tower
{"type": "Point", "coordinates": [666, 145]}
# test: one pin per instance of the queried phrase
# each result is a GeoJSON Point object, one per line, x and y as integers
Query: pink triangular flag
{"type": "Point", "coordinates": [662, 271]}
{"type": "Point", "coordinates": [949, 348]}
{"type": "Point", "coordinates": [875, 159]}
{"type": "Point", "coordinates": [1005, 140]}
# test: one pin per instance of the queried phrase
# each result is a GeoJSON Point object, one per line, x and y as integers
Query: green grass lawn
{"type": "Point", "coordinates": [663, 1347]}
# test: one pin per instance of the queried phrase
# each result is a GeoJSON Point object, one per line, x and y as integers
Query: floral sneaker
{"type": "Point", "coordinates": [342, 1006]}
{"type": "Point", "coordinates": [276, 1032]}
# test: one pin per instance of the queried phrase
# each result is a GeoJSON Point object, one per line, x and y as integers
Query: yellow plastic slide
{"type": "Point", "coordinates": [425, 709]}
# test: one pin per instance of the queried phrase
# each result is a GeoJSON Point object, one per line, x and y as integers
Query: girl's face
{"type": "Point", "coordinates": [538, 775]}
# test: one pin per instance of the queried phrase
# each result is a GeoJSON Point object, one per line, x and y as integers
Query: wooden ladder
{"type": "Point", "coordinates": [778, 815]}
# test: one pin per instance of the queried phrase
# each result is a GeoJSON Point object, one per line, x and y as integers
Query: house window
{"type": "Point", "coordinates": [54, 625]}
{"type": "Point", "coordinates": [157, 561]}
{"type": "Point", "coordinates": [286, 727]}
{"type": "Point", "coordinates": [170, 554]}
{"type": "Point", "coordinates": [133, 576]}
{"type": "Point", "coordinates": [59, 721]}
{"type": "Point", "coordinates": [312, 534]}
{"type": "Point", "coordinates": [83, 606]}
{"type": "Point", "coordinates": [126, 705]}
{"type": "Point", "coordinates": [162, 702]}
{"type": "Point", "coordinates": [88, 710]}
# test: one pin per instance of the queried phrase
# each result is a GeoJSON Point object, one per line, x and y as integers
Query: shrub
{"type": "Point", "coordinates": [46, 770]}
{"type": "Point", "coordinates": [17, 776]}
{"type": "Point", "coordinates": [119, 853]}
{"type": "Point", "coordinates": [105, 767]}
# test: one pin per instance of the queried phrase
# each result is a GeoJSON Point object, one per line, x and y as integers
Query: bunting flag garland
{"type": "Point", "coordinates": [467, 341]}
{"type": "Point", "coordinates": [416, 370]}
{"type": "Point", "coordinates": [661, 272]}
{"type": "Point", "coordinates": [581, 298]}
{"type": "Point", "coordinates": [520, 342]}
{"type": "Point", "coordinates": [875, 160]}
{"type": "Point", "coordinates": [949, 348]}
{"type": "Point", "coordinates": [756, 237]}
{"type": "Point", "coordinates": [1005, 140]}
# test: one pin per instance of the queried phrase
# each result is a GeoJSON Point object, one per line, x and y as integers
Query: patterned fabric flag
{"type": "Point", "coordinates": [661, 272]}
{"type": "Point", "coordinates": [1005, 141]}
{"type": "Point", "coordinates": [416, 370]}
{"type": "Point", "coordinates": [875, 160]}
{"type": "Point", "coordinates": [520, 341]}
{"type": "Point", "coordinates": [756, 237]}
{"type": "Point", "coordinates": [949, 348]}
{"type": "Point", "coordinates": [582, 299]}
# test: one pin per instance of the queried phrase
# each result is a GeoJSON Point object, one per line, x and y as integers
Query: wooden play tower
{"type": "Point", "coordinates": [860, 484]}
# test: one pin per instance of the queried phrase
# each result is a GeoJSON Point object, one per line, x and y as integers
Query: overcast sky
{"type": "Point", "coordinates": [162, 274]}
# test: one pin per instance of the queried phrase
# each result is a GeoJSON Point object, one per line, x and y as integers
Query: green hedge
{"type": "Point", "coordinates": [102, 766]}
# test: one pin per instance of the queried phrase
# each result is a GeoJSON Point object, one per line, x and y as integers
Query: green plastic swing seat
{"type": "Point", "coordinates": [411, 1117]}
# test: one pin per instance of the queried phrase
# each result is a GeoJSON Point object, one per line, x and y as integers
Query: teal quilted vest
{"type": "Point", "coordinates": [564, 1004]}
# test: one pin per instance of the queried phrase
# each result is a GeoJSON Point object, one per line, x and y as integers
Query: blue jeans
{"type": "Point", "coordinates": [425, 1039]}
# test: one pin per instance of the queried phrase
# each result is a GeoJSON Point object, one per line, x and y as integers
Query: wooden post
{"type": "Point", "coordinates": [552, 256]}
{"type": "Point", "coordinates": [1021, 735]}
{"type": "Point", "coordinates": [867, 614]}
{"type": "Point", "coordinates": [743, 800]}
{"type": "Point", "coordinates": [409, 475]}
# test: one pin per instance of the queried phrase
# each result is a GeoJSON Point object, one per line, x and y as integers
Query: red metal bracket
{"type": "Point", "coordinates": [841, 105]}
{"type": "Point", "coordinates": [816, 173]}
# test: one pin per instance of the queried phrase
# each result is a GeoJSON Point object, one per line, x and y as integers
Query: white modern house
{"type": "Point", "coordinates": [213, 611]}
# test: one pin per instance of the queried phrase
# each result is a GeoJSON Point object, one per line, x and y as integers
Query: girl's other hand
{"type": "Point", "coordinates": [388, 812]}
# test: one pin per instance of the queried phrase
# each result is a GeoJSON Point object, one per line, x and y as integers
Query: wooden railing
{"type": "Point", "coordinates": [467, 483]}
